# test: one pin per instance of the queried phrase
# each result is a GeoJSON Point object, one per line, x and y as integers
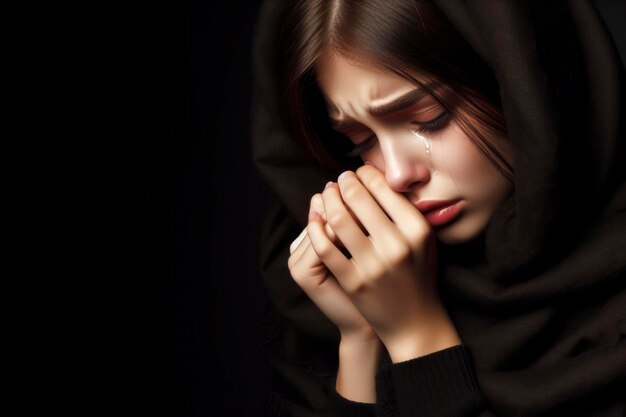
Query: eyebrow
{"type": "Point", "coordinates": [402, 102]}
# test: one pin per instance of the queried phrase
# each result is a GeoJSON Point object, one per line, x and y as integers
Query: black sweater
{"type": "Point", "coordinates": [442, 383]}
{"type": "Point", "coordinates": [539, 300]}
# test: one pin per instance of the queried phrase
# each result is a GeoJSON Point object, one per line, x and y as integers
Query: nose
{"type": "Point", "coordinates": [403, 169]}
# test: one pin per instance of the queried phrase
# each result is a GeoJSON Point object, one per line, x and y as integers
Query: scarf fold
{"type": "Point", "coordinates": [541, 309]}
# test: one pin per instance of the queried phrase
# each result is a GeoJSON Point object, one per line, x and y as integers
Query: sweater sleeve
{"type": "Point", "coordinates": [349, 408]}
{"type": "Point", "coordinates": [442, 383]}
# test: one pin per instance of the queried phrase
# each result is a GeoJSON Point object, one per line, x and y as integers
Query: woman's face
{"type": "Point", "coordinates": [424, 154]}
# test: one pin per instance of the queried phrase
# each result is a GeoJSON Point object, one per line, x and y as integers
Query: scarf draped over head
{"type": "Point", "coordinates": [541, 300]}
{"type": "Point", "coordinates": [544, 310]}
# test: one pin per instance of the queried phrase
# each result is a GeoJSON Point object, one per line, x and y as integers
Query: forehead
{"type": "Point", "coordinates": [342, 81]}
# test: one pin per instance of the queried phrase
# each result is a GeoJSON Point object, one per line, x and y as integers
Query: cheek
{"type": "Point", "coordinates": [467, 165]}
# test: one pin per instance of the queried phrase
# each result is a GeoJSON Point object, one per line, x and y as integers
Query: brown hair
{"type": "Point", "coordinates": [411, 38]}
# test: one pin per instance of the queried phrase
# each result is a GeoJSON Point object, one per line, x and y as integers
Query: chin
{"type": "Point", "coordinates": [461, 231]}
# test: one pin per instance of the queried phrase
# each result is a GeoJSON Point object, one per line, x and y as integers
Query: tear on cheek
{"type": "Point", "coordinates": [424, 140]}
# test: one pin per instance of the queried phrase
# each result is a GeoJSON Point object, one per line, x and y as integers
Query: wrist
{"type": "Point", "coordinates": [356, 337]}
{"type": "Point", "coordinates": [431, 336]}
{"type": "Point", "coordinates": [358, 363]}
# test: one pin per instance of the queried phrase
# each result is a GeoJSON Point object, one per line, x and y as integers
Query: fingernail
{"type": "Point", "coordinates": [328, 184]}
{"type": "Point", "coordinates": [297, 241]}
{"type": "Point", "coordinates": [312, 213]}
{"type": "Point", "coordinates": [342, 176]}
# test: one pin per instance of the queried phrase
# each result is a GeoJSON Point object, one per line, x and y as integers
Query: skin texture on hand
{"type": "Point", "coordinates": [310, 273]}
{"type": "Point", "coordinates": [360, 348]}
{"type": "Point", "coordinates": [391, 275]}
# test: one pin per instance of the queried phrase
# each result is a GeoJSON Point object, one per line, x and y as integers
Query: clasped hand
{"type": "Point", "coordinates": [387, 285]}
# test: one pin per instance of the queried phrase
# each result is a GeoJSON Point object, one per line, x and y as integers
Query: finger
{"type": "Point", "coordinates": [344, 225]}
{"type": "Point", "coordinates": [304, 255]}
{"type": "Point", "coordinates": [306, 242]}
{"type": "Point", "coordinates": [314, 278]}
{"type": "Point", "coordinates": [324, 290]}
{"type": "Point", "coordinates": [297, 241]}
{"type": "Point", "coordinates": [343, 269]}
{"type": "Point", "coordinates": [303, 244]}
{"type": "Point", "coordinates": [396, 205]}
{"type": "Point", "coordinates": [318, 205]}
{"type": "Point", "coordinates": [320, 202]}
{"type": "Point", "coordinates": [334, 303]}
{"type": "Point", "coordinates": [384, 234]}
{"type": "Point", "coordinates": [305, 259]}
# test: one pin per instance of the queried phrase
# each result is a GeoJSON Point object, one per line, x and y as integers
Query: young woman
{"type": "Point", "coordinates": [469, 255]}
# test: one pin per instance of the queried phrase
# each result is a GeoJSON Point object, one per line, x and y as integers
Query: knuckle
{"type": "Point", "coordinates": [350, 191]}
{"type": "Point", "coordinates": [324, 250]}
{"type": "Point", "coordinates": [294, 267]}
{"type": "Point", "coordinates": [361, 171]}
{"type": "Point", "coordinates": [365, 172]}
{"type": "Point", "coordinates": [400, 255]}
{"type": "Point", "coordinates": [302, 280]}
{"type": "Point", "coordinates": [418, 237]}
{"type": "Point", "coordinates": [376, 273]}
{"type": "Point", "coordinates": [338, 220]}
{"type": "Point", "coordinates": [317, 204]}
{"type": "Point", "coordinates": [377, 182]}
{"type": "Point", "coordinates": [330, 232]}
{"type": "Point", "coordinates": [316, 199]}
{"type": "Point", "coordinates": [297, 278]}
{"type": "Point", "coordinates": [355, 288]}
{"type": "Point", "coordinates": [326, 194]}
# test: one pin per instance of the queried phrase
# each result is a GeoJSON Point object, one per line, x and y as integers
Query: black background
{"type": "Point", "coordinates": [189, 339]}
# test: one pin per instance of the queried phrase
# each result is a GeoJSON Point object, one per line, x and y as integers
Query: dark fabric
{"type": "Point", "coordinates": [442, 383]}
{"type": "Point", "coordinates": [348, 408]}
{"type": "Point", "coordinates": [540, 310]}
{"type": "Point", "coordinates": [539, 297]}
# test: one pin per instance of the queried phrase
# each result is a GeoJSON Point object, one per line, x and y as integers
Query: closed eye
{"type": "Point", "coordinates": [433, 125]}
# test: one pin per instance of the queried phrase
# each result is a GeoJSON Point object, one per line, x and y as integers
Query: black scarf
{"type": "Point", "coordinates": [539, 297]}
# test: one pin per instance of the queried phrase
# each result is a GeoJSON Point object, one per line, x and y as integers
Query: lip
{"type": "Point", "coordinates": [429, 205]}
{"type": "Point", "coordinates": [439, 212]}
